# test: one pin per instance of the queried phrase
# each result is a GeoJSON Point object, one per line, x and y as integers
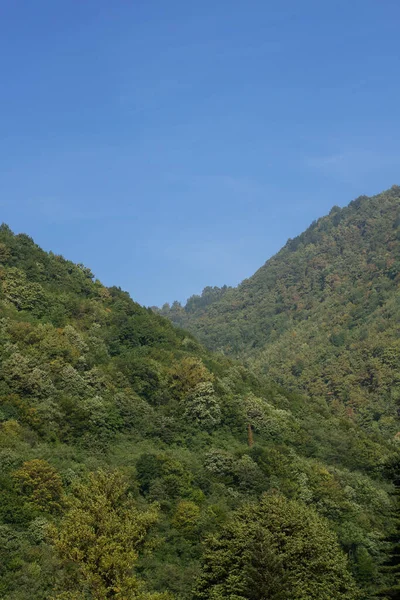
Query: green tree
{"type": "Point", "coordinates": [187, 374]}
{"type": "Point", "coordinates": [102, 534]}
{"type": "Point", "coordinates": [186, 516]}
{"type": "Point", "coordinates": [276, 549]}
{"type": "Point", "coordinates": [201, 406]}
{"type": "Point", "coordinates": [40, 483]}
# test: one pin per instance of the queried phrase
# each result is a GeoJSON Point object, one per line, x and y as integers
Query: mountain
{"type": "Point", "coordinates": [134, 462]}
{"type": "Point", "coordinates": [323, 315]}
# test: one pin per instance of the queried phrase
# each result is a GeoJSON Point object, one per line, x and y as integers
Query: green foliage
{"type": "Point", "coordinates": [275, 549]}
{"type": "Point", "coordinates": [322, 316]}
{"type": "Point", "coordinates": [163, 478]}
{"type": "Point", "coordinates": [106, 408]}
{"type": "Point", "coordinates": [40, 483]}
{"type": "Point", "coordinates": [186, 517]}
{"type": "Point", "coordinates": [201, 406]}
{"type": "Point", "coordinates": [186, 374]}
{"type": "Point", "coordinates": [101, 534]}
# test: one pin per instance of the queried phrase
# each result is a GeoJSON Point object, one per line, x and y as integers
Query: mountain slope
{"type": "Point", "coordinates": [112, 419]}
{"type": "Point", "coordinates": [323, 315]}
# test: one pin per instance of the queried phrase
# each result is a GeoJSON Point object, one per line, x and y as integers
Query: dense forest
{"type": "Point", "coordinates": [323, 315]}
{"type": "Point", "coordinates": [137, 463]}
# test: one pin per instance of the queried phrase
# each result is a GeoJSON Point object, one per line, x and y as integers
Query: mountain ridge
{"type": "Point", "coordinates": [330, 292]}
{"type": "Point", "coordinates": [113, 418]}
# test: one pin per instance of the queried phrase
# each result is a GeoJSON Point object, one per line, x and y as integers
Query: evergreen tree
{"type": "Point", "coordinates": [276, 549]}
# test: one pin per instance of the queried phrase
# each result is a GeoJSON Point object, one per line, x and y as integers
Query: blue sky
{"type": "Point", "coordinates": [174, 145]}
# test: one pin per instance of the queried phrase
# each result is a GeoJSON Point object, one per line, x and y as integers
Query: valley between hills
{"type": "Point", "coordinates": [244, 446]}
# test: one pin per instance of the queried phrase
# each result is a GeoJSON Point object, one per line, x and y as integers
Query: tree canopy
{"type": "Point", "coordinates": [275, 549]}
{"type": "Point", "coordinates": [125, 443]}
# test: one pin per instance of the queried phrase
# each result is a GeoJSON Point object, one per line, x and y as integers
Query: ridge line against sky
{"type": "Point", "coordinates": [170, 147]}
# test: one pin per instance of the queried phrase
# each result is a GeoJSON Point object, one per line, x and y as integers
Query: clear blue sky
{"type": "Point", "coordinates": [171, 145]}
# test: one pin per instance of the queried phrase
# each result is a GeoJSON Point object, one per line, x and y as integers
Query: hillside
{"type": "Point", "coordinates": [323, 315]}
{"type": "Point", "coordinates": [128, 451]}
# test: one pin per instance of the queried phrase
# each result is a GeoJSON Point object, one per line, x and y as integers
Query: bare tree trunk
{"type": "Point", "coordinates": [250, 440]}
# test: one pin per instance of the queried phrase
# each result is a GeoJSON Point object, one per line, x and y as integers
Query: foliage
{"type": "Point", "coordinates": [275, 549]}
{"type": "Point", "coordinates": [106, 408]}
{"type": "Point", "coordinates": [201, 406]}
{"type": "Point", "coordinates": [41, 484]}
{"type": "Point", "coordinates": [102, 533]}
{"type": "Point", "coordinates": [321, 316]}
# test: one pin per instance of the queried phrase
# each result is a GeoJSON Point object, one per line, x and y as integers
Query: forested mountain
{"type": "Point", "coordinates": [323, 315]}
{"type": "Point", "coordinates": [134, 463]}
